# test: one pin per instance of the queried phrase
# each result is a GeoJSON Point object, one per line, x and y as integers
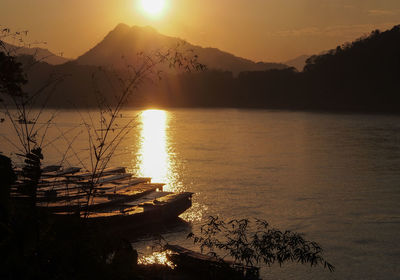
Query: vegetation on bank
{"type": "Point", "coordinates": [256, 242]}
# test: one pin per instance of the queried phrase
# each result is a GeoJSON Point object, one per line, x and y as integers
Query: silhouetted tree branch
{"type": "Point", "coordinates": [254, 242]}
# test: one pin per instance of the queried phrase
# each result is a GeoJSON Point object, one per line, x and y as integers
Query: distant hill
{"type": "Point", "coordinates": [297, 62]}
{"type": "Point", "coordinates": [128, 41]}
{"type": "Point", "coordinates": [40, 54]}
{"type": "Point", "coordinates": [362, 75]}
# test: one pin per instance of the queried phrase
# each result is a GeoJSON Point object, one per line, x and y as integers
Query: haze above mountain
{"type": "Point", "coordinates": [298, 62]}
{"type": "Point", "coordinates": [125, 41]}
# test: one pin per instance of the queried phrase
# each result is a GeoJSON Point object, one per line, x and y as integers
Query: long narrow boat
{"type": "Point", "coordinates": [116, 197]}
{"type": "Point", "coordinates": [210, 267]}
{"type": "Point", "coordinates": [103, 200]}
{"type": "Point", "coordinates": [158, 210]}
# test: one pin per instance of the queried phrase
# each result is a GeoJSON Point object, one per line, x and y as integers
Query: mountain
{"type": "Point", "coordinates": [128, 41]}
{"type": "Point", "coordinates": [297, 62]}
{"type": "Point", "coordinates": [39, 53]}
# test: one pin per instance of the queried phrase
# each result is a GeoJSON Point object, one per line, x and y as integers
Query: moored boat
{"type": "Point", "coordinates": [209, 267]}
{"type": "Point", "coordinates": [112, 198]}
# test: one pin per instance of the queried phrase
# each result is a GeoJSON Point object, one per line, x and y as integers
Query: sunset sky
{"type": "Point", "coordinates": [268, 30]}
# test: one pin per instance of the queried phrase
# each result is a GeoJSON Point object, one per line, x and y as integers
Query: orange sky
{"type": "Point", "coordinates": [268, 30]}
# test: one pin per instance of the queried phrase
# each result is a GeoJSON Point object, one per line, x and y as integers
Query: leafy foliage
{"type": "Point", "coordinates": [11, 75]}
{"type": "Point", "coordinates": [254, 242]}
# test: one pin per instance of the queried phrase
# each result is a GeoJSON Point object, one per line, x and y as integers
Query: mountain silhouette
{"type": "Point", "coordinates": [40, 54]}
{"type": "Point", "coordinates": [126, 42]}
{"type": "Point", "coordinates": [361, 76]}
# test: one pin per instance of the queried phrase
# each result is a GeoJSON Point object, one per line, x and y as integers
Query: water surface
{"type": "Point", "coordinates": [333, 177]}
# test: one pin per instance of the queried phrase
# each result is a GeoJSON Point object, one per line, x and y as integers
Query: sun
{"type": "Point", "coordinates": [153, 7]}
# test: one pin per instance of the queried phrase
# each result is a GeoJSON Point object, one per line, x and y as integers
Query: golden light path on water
{"type": "Point", "coordinates": [155, 161]}
{"type": "Point", "coordinates": [154, 158]}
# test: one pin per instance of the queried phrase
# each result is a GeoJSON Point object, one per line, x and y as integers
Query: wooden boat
{"type": "Point", "coordinates": [209, 267]}
{"type": "Point", "coordinates": [102, 200]}
{"type": "Point", "coordinates": [117, 198]}
{"type": "Point", "coordinates": [58, 173]}
{"type": "Point", "coordinates": [158, 210]}
{"type": "Point", "coordinates": [106, 171]}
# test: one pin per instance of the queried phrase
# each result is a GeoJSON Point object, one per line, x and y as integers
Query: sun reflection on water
{"type": "Point", "coordinates": [154, 159]}
{"type": "Point", "coordinates": [157, 160]}
{"type": "Point", "coordinates": [157, 258]}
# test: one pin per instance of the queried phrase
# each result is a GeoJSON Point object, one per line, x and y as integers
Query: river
{"type": "Point", "coordinates": [333, 177]}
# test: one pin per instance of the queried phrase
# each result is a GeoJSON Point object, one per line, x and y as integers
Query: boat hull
{"type": "Point", "coordinates": [144, 215]}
